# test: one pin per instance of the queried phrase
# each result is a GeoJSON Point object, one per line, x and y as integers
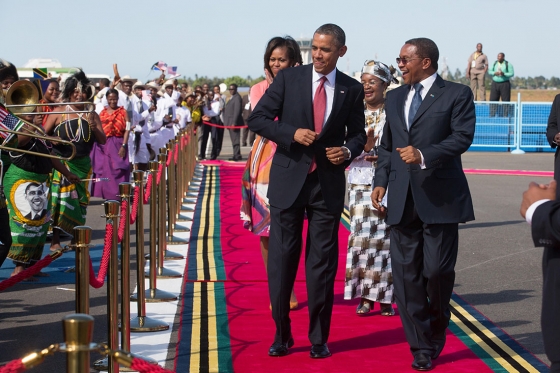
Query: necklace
{"type": "Point", "coordinates": [75, 137]}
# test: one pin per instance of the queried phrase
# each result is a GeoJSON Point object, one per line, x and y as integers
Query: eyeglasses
{"type": "Point", "coordinates": [404, 61]}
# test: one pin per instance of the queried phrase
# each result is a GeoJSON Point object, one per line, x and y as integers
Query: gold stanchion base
{"type": "Point", "coordinates": [187, 209]}
{"type": "Point", "coordinates": [166, 273]}
{"type": "Point", "coordinates": [181, 229]}
{"type": "Point", "coordinates": [176, 241]}
{"type": "Point", "coordinates": [169, 255]}
{"type": "Point", "coordinates": [155, 296]}
{"type": "Point", "coordinates": [183, 218]}
{"type": "Point", "coordinates": [103, 364]}
{"type": "Point", "coordinates": [145, 324]}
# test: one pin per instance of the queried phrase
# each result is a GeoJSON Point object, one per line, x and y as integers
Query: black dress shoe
{"type": "Point", "coordinates": [439, 343]}
{"type": "Point", "coordinates": [320, 351]}
{"type": "Point", "coordinates": [280, 349]}
{"type": "Point", "coordinates": [213, 158]}
{"type": "Point", "coordinates": [422, 362]}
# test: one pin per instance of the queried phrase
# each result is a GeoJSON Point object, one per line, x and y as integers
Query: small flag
{"type": "Point", "coordinates": [172, 71]}
{"type": "Point", "coordinates": [40, 73]}
{"type": "Point", "coordinates": [8, 121]}
{"type": "Point", "coordinates": [159, 66]}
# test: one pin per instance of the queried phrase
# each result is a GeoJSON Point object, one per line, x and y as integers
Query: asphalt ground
{"type": "Point", "coordinates": [498, 268]}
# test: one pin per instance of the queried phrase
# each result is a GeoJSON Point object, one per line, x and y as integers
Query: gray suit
{"type": "Point", "coordinates": [233, 117]}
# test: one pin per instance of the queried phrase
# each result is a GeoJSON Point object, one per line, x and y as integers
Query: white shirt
{"type": "Point", "coordinates": [531, 210]}
{"type": "Point", "coordinates": [426, 85]}
{"type": "Point", "coordinates": [329, 90]}
{"type": "Point", "coordinates": [214, 110]}
{"type": "Point", "coordinates": [184, 116]}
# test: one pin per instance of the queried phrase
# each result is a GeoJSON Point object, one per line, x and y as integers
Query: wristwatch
{"type": "Point", "coordinates": [124, 145]}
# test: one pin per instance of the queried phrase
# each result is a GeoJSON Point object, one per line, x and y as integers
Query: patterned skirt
{"type": "Point", "coordinates": [255, 210]}
{"type": "Point", "coordinates": [70, 201]}
{"type": "Point", "coordinates": [28, 197]}
{"type": "Point", "coordinates": [368, 261]}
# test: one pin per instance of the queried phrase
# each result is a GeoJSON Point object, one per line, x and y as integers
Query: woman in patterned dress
{"type": "Point", "coordinates": [281, 52]}
{"type": "Point", "coordinates": [368, 262]}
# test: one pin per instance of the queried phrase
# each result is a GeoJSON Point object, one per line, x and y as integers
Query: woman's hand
{"type": "Point", "coordinates": [73, 178]}
{"type": "Point", "coordinates": [122, 152]}
{"type": "Point", "coordinates": [269, 78]}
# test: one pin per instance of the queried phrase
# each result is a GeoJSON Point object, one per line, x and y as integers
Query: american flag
{"type": "Point", "coordinates": [172, 71]}
{"type": "Point", "coordinates": [8, 121]}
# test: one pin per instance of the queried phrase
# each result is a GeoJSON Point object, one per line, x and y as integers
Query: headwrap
{"type": "Point", "coordinates": [380, 70]}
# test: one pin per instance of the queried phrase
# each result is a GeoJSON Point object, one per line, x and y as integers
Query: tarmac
{"type": "Point", "coordinates": [498, 270]}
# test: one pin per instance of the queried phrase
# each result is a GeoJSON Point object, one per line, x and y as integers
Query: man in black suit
{"type": "Point", "coordinates": [233, 118]}
{"type": "Point", "coordinates": [320, 129]}
{"type": "Point", "coordinates": [430, 123]}
{"type": "Point", "coordinates": [36, 197]}
{"type": "Point", "coordinates": [541, 208]}
{"type": "Point", "coordinates": [553, 133]}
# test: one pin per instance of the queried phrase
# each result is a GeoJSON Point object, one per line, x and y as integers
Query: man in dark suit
{"type": "Point", "coordinates": [37, 198]}
{"type": "Point", "coordinates": [430, 123]}
{"type": "Point", "coordinates": [320, 129]}
{"type": "Point", "coordinates": [541, 208]}
{"type": "Point", "coordinates": [233, 118]}
{"type": "Point", "coordinates": [247, 133]}
{"type": "Point", "coordinates": [553, 133]}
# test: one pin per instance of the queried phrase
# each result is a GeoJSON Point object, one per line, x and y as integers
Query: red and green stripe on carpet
{"type": "Point", "coordinates": [225, 317]}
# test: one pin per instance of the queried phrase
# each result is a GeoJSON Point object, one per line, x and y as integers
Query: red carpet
{"type": "Point", "coordinates": [369, 343]}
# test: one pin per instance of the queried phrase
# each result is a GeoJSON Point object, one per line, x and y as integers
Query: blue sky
{"type": "Point", "coordinates": [225, 38]}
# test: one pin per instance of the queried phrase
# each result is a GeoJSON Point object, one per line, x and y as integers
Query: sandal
{"type": "Point", "coordinates": [364, 307]}
{"type": "Point", "coordinates": [387, 309]}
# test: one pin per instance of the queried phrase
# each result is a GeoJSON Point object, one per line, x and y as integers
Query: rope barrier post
{"type": "Point", "coordinates": [162, 210]}
{"type": "Point", "coordinates": [108, 363]}
{"type": "Point", "coordinates": [142, 323]}
{"type": "Point", "coordinates": [78, 334]}
{"type": "Point", "coordinates": [83, 239]}
{"type": "Point", "coordinates": [125, 190]}
{"type": "Point", "coordinates": [180, 183]}
{"type": "Point", "coordinates": [171, 200]}
{"type": "Point", "coordinates": [153, 294]}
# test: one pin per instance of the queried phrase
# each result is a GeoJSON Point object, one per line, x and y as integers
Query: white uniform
{"type": "Point", "coordinates": [139, 127]}
{"type": "Point", "coordinates": [184, 116]}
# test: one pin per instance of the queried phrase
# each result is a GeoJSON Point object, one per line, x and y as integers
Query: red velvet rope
{"type": "Point", "coordinates": [14, 366]}
{"type": "Point", "coordinates": [148, 188]}
{"type": "Point", "coordinates": [134, 212]}
{"type": "Point", "coordinates": [144, 367]}
{"type": "Point", "coordinates": [229, 127]}
{"type": "Point", "coordinates": [159, 172]}
{"type": "Point", "coordinates": [176, 154]}
{"type": "Point", "coordinates": [97, 282]}
{"type": "Point", "coordinates": [122, 222]}
{"type": "Point", "coordinates": [169, 156]}
{"type": "Point", "coordinates": [33, 270]}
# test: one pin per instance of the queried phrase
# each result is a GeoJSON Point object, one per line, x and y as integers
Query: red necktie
{"type": "Point", "coordinates": [319, 108]}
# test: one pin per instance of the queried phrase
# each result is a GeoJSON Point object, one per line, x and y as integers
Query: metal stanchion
{"type": "Point", "coordinates": [108, 363]}
{"type": "Point", "coordinates": [153, 294]}
{"type": "Point", "coordinates": [125, 189]}
{"type": "Point", "coordinates": [171, 198]}
{"type": "Point", "coordinates": [78, 334]}
{"type": "Point", "coordinates": [162, 210]}
{"type": "Point", "coordinates": [142, 323]}
{"type": "Point", "coordinates": [180, 182]}
{"type": "Point", "coordinates": [82, 234]}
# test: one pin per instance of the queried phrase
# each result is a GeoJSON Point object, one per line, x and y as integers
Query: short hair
{"type": "Point", "coordinates": [335, 31]}
{"type": "Point", "coordinates": [7, 69]}
{"type": "Point", "coordinates": [80, 81]}
{"type": "Point", "coordinates": [503, 54]}
{"type": "Point", "coordinates": [216, 86]}
{"type": "Point", "coordinates": [292, 49]}
{"type": "Point", "coordinates": [105, 81]}
{"type": "Point", "coordinates": [31, 184]}
{"type": "Point", "coordinates": [111, 91]}
{"type": "Point", "coordinates": [233, 85]}
{"type": "Point", "coordinates": [426, 48]}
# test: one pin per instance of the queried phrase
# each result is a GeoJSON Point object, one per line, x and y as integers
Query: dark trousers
{"type": "Point", "coordinates": [217, 138]}
{"type": "Point", "coordinates": [247, 133]}
{"type": "Point", "coordinates": [321, 260]}
{"type": "Point", "coordinates": [205, 130]}
{"type": "Point", "coordinates": [497, 91]}
{"type": "Point", "coordinates": [235, 136]}
{"type": "Point", "coordinates": [423, 260]}
{"type": "Point", "coordinates": [550, 323]}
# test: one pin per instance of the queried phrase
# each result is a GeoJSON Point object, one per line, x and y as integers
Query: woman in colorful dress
{"type": "Point", "coordinates": [110, 160]}
{"type": "Point", "coordinates": [368, 262]}
{"type": "Point", "coordinates": [28, 187]}
{"type": "Point", "coordinates": [70, 201]}
{"type": "Point", "coordinates": [281, 53]}
{"type": "Point", "coordinates": [50, 96]}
